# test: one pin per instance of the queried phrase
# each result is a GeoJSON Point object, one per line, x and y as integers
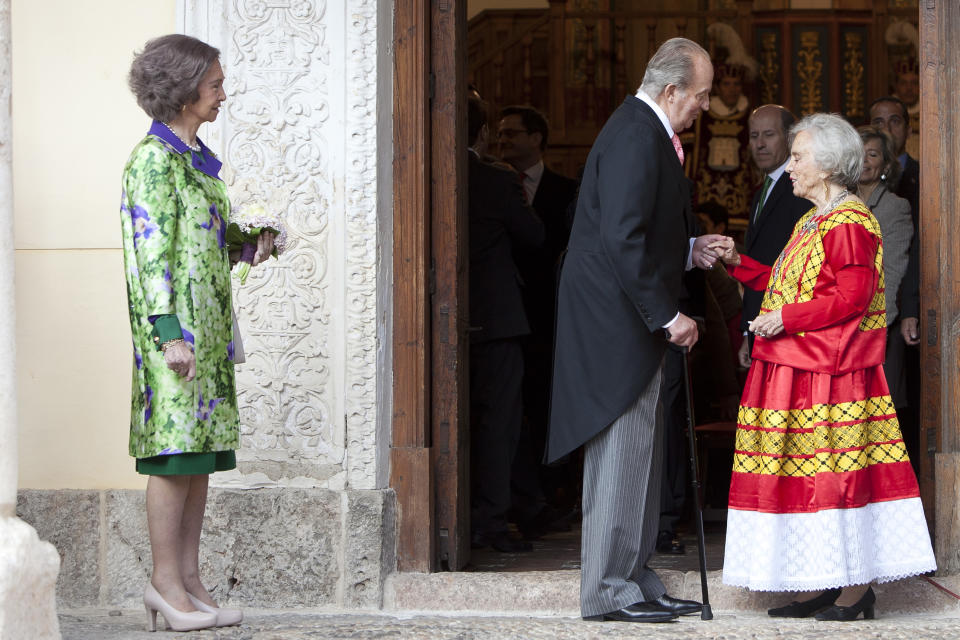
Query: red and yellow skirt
{"type": "Point", "coordinates": [822, 494]}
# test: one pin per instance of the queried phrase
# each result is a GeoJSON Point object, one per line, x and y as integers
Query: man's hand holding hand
{"type": "Point", "coordinates": [726, 250]}
{"type": "Point", "coordinates": [683, 331]}
{"type": "Point", "coordinates": [704, 256]}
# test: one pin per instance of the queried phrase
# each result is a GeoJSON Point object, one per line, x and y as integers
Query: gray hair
{"type": "Point", "coordinates": [165, 75]}
{"type": "Point", "coordinates": [672, 64]}
{"type": "Point", "coordinates": [837, 148]}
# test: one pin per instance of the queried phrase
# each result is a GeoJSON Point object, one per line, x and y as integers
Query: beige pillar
{"type": "Point", "coordinates": [28, 566]}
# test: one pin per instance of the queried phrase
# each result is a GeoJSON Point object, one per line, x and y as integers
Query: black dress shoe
{"type": "Point", "coordinates": [639, 612]}
{"type": "Point", "coordinates": [668, 543]}
{"type": "Point", "coordinates": [806, 608]}
{"type": "Point", "coordinates": [677, 606]}
{"type": "Point", "coordinates": [845, 614]}
{"type": "Point", "coordinates": [500, 541]}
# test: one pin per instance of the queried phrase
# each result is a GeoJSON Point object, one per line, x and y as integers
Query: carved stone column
{"type": "Point", "coordinates": [299, 134]}
{"type": "Point", "coordinates": [28, 566]}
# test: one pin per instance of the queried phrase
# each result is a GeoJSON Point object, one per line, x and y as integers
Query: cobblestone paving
{"type": "Point", "coordinates": [93, 624]}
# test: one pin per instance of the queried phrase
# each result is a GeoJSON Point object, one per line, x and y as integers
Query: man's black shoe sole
{"type": "Point", "coordinates": [607, 618]}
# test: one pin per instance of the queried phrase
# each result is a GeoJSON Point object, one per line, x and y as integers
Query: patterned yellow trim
{"type": "Point", "coordinates": [824, 462]}
{"type": "Point", "coordinates": [807, 442]}
{"type": "Point", "coordinates": [804, 257]}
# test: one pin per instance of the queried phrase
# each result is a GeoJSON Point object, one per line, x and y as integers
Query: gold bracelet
{"type": "Point", "coordinates": [169, 343]}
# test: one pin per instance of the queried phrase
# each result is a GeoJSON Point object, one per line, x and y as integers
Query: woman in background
{"type": "Point", "coordinates": [881, 170]}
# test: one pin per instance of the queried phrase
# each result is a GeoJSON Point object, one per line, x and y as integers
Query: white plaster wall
{"type": "Point", "coordinates": [74, 124]}
{"type": "Point", "coordinates": [300, 133]}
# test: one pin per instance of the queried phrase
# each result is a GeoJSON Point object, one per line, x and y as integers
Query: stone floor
{"type": "Point", "coordinates": [272, 625]}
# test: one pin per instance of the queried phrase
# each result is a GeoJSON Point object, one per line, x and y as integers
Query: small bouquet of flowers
{"type": "Point", "coordinates": [246, 224]}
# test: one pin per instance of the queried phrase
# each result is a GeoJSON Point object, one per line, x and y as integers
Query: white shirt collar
{"type": "Point", "coordinates": [531, 180]}
{"type": "Point", "coordinates": [776, 173]}
{"type": "Point", "coordinates": [642, 95]}
{"type": "Point", "coordinates": [535, 172]}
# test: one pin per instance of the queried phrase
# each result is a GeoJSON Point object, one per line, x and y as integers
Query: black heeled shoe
{"type": "Point", "coordinates": [846, 614]}
{"type": "Point", "coordinates": [806, 608]}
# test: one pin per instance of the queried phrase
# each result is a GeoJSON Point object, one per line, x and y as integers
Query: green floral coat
{"type": "Point", "coordinates": [173, 217]}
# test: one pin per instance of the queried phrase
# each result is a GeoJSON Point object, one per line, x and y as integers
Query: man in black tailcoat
{"type": "Point", "coordinates": [617, 308]}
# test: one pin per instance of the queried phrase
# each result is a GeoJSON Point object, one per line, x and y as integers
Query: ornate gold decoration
{"type": "Point", "coordinates": [769, 69]}
{"type": "Point", "coordinates": [853, 73]}
{"type": "Point", "coordinates": [810, 70]}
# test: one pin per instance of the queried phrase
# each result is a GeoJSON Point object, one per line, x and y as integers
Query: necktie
{"type": "Point", "coordinates": [523, 186]}
{"type": "Point", "coordinates": [677, 147]}
{"type": "Point", "coordinates": [763, 196]}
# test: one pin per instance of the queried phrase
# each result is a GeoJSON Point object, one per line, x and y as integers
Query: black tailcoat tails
{"type": "Point", "coordinates": [621, 277]}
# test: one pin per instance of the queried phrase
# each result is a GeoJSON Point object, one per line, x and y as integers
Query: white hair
{"type": "Point", "coordinates": [837, 147]}
{"type": "Point", "coordinates": [673, 63]}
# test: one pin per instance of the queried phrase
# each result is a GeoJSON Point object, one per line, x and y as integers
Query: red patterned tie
{"type": "Point", "coordinates": [677, 147]}
{"type": "Point", "coordinates": [523, 186]}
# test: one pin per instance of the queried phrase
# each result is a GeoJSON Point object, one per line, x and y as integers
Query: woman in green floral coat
{"type": "Point", "coordinates": [184, 423]}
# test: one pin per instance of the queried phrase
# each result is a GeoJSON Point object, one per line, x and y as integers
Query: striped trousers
{"type": "Point", "coordinates": [621, 507]}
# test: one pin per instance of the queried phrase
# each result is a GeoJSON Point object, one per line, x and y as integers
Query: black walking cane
{"type": "Point", "coordinates": [705, 613]}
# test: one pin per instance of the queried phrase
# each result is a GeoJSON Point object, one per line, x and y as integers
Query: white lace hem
{"type": "Point", "coordinates": [880, 542]}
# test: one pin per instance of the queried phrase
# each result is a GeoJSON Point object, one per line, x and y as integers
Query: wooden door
{"type": "Point", "coordinates": [430, 455]}
{"type": "Point", "coordinates": [940, 274]}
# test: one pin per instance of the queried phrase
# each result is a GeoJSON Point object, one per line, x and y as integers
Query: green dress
{"type": "Point", "coordinates": [173, 218]}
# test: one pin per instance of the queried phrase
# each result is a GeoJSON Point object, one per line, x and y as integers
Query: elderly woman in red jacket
{"type": "Point", "coordinates": [823, 499]}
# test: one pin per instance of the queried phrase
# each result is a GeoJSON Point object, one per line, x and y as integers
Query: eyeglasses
{"type": "Point", "coordinates": [510, 133]}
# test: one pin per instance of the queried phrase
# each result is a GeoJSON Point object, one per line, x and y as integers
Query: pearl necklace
{"type": "Point", "coordinates": [192, 147]}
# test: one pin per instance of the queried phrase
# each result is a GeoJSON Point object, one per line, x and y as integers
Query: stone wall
{"type": "Point", "coordinates": [260, 547]}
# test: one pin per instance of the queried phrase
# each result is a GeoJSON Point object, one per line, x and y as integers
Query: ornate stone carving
{"type": "Point", "coordinates": [299, 136]}
{"type": "Point", "coordinates": [361, 243]}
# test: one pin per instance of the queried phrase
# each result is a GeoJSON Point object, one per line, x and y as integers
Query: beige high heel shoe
{"type": "Point", "coordinates": [177, 620]}
{"type": "Point", "coordinates": [225, 617]}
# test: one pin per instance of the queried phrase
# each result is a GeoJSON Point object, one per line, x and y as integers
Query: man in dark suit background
{"type": "Point", "coordinates": [617, 309]}
{"type": "Point", "coordinates": [523, 133]}
{"type": "Point", "coordinates": [890, 114]}
{"type": "Point", "coordinates": [774, 210]}
{"type": "Point", "coordinates": [499, 219]}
